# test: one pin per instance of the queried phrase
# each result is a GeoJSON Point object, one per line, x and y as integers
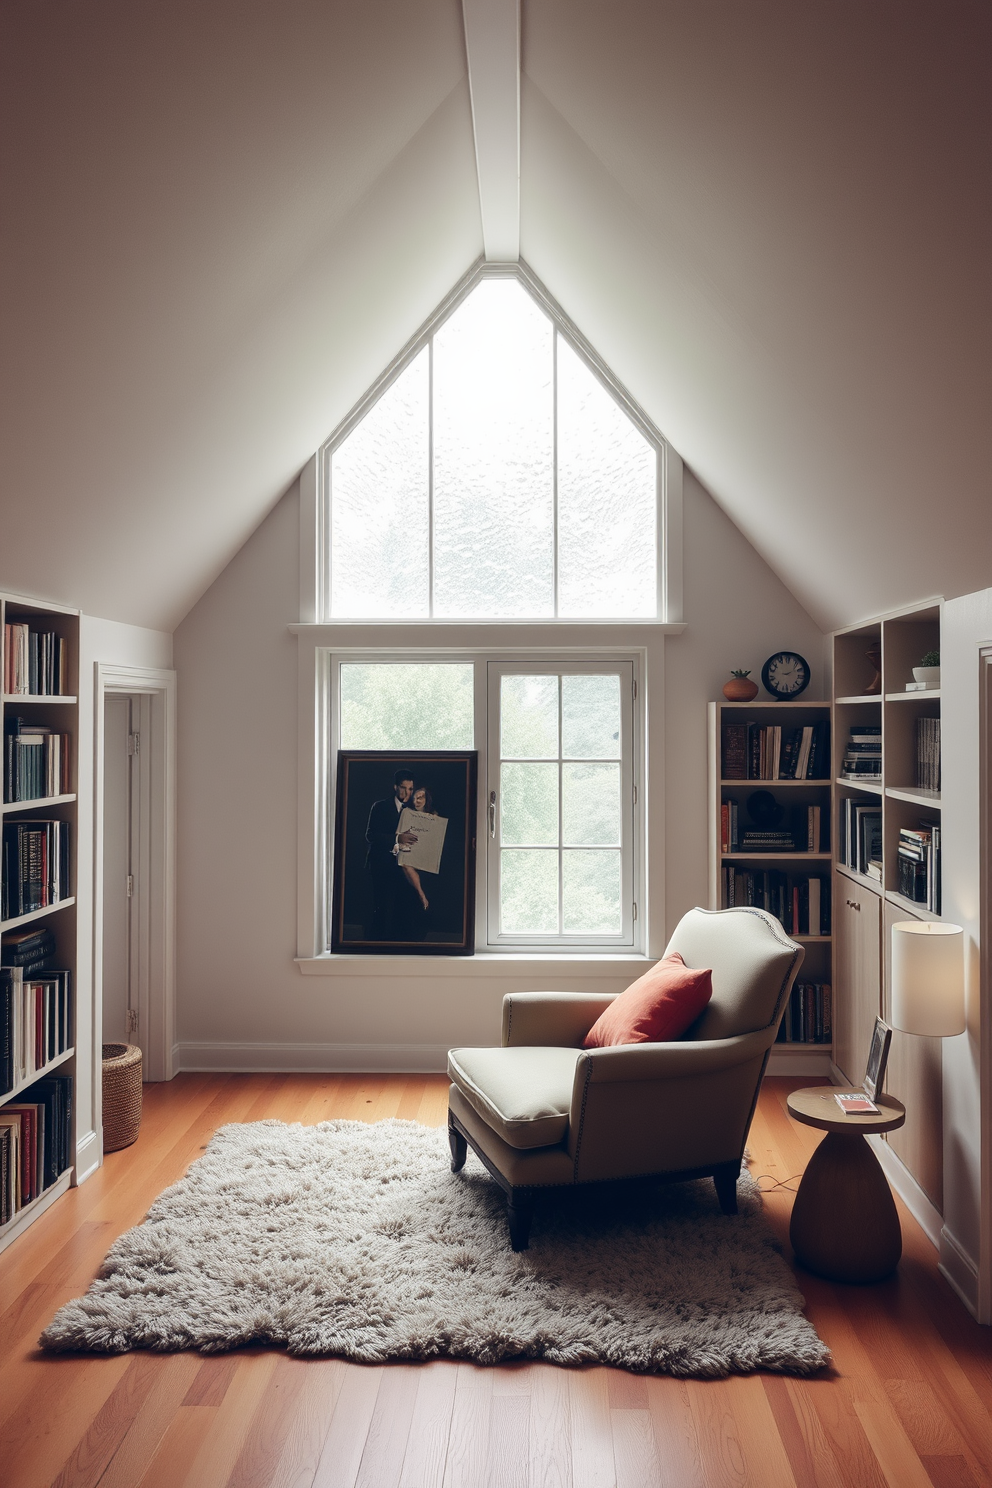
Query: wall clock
{"type": "Point", "coordinates": [785, 675]}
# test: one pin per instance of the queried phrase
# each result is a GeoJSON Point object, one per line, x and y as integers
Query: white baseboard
{"type": "Point", "coordinates": [89, 1155]}
{"type": "Point", "coordinates": [959, 1271]}
{"type": "Point", "coordinates": [314, 1059]}
{"type": "Point", "coordinates": [926, 1213]}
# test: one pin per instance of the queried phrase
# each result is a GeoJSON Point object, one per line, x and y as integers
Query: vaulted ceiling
{"type": "Point", "coordinates": [220, 221]}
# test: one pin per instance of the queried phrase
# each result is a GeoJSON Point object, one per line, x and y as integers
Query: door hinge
{"type": "Point", "coordinates": [132, 1020]}
{"type": "Point", "coordinates": [133, 743]}
{"type": "Point", "coordinates": [130, 885]}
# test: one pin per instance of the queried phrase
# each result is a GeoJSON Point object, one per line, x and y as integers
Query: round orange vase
{"type": "Point", "coordinates": [740, 690]}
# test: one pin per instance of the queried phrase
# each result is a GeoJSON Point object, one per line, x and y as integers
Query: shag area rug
{"type": "Point", "coordinates": [357, 1240]}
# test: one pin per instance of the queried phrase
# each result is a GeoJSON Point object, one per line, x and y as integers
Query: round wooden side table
{"type": "Point", "coordinates": [844, 1221]}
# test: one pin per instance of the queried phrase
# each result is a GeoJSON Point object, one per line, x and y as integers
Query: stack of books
{"type": "Point", "coordinates": [35, 1022]}
{"type": "Point", "coordinates": [804, 834]}
{"type": "Point", "coordinates": [919, 864]}
{"type": "Point", "coordinates": [34, 1142]}
{"type": "Point", "coordinates": [37, 762]}
{"type": "Point", "coordinates": [775, 840]}
{"type": "Point", "coordinates": [863, 753]}
{"type": "Point", "coordinates": [35, 866]}
{"type": "Point", "coordinates": [860, 845]}
{"type": "Point", "coordinates": [808, 1017]}
{"type": "Point", "coordinates": [752, 751]}
{"type": "Point", "coordinates": [801, 903]}
{"type": "Point", "coordinates": [33, 661]}
{"type": "Point", "coordinates": [928, 754]}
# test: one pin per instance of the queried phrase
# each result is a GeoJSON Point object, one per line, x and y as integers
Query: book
{"type": "Point", "coordinates": [928, 753]}
{"type": "Point", "coordinates": [734, 751]}
{"type": "Point", "coordinates": [857, 1105]}
{"type": "Point", "coordinates": [34, 661]}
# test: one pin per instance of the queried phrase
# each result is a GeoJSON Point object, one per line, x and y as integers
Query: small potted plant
{"type": "Point", "coordinates": [740, 688]}
{"type": "Point", "coordinates": [928, 671]}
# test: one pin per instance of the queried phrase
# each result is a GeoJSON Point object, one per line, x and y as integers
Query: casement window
{"type": "Point", "coordinates": [557, 820]}
{"type": "Point", "coordinates": [490, 548]}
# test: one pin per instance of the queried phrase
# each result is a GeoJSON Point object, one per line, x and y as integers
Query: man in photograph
{"type": "Point", "coordinates": [387, 878]}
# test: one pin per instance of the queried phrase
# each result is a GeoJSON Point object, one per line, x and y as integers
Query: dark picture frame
{"type": "Point", "coordinates": [878, 1058]}
{"type": "Point", "coordinates": [377, 899]}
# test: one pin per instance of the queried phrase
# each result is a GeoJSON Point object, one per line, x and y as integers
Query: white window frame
{"type": "Point", "coordinates": [315, 525]}
{"type": "Point", "coordinates": [322, 647]}
{"type": "Point", "coordinates": [630, 791]}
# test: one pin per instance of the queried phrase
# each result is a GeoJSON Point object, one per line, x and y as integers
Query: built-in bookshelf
{"type": "Point", "coordinates": [770, 846]}
{"type": "Point", "coordinates": [887, 866]}
{"type": "Point", "coordinates": [38, 915]}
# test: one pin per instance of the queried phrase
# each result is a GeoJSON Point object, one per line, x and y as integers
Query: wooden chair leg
{"type": "Point", "coordinates": [725, 1181]}
{"type": "Point", "coordinates": [519, 1212]}
{"type": "Point", "coordinates": [459, 1149]}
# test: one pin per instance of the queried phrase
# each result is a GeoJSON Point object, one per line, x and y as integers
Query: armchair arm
{"type": "Point", "coordinates": [674, 1061]}
{"type": "Point", "coordinates": [552, 1019]}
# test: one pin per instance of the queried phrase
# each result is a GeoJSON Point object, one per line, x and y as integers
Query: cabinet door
{"type": "Point", "coordinates": [914, 1076]}
{"type": "Point", "coordinates": [857, 975]}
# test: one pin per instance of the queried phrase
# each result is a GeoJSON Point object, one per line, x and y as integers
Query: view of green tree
{"type": "Point", "coordinates": [407, 705]}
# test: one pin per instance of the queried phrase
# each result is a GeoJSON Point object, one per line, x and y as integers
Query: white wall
{"type": "Point", "coordinates": [124, 645]}
{"type": "Point", "coordinates": [242, 1001]}
{"type": "Point", "coordinates": [967, 624]}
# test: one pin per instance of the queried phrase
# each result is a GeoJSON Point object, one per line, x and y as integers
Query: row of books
{"type": "Point", "coordinates": [35, 1022]}
{"type": "Point", "coordinates": [37, 762]}
{"type": "Point", "coordinates": [754, 751]}
{"type": "Point", "coordinates": [919, 864]}
{"type": "Point", "coordinates": [928, 753]}
{"type": "Point", "coordinates": [804, 833]}
{"type": "Point", "coordinates": [34, 661]}
{"type": "Point", "coordinates": [802, 904]}
{"type": "Point", "coordinates": [808, 1018]}
{"type": "Point", "coordinates": [35, 1142]}
{"type": "Point", "coordinates": [863, 753]}
{"type": "Point", "coordinates": [860, 845]}
{"type": "Point", "coordinates": [35, 866]}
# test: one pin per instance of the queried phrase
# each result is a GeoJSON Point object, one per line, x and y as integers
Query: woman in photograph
{"type": "Point", "coordinates": [420, 800]}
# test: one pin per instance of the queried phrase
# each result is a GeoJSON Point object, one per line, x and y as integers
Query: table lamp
{"type": "Point", "coordinates": [927, 986]}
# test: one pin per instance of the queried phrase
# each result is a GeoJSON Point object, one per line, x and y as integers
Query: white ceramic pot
{"type": "Point", "coordinates": [929, 675]}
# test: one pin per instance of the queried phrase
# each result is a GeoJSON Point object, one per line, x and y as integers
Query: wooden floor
{"type": "Point", "coordinates": [909, 1401]}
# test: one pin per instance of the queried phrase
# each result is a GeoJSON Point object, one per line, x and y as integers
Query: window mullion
{"type": "Point", "coordinates": [554, 469]}
{"type": "Point", "coordinates": [561, 864]}
{"type": "Point", "coordinates": [430, 478]}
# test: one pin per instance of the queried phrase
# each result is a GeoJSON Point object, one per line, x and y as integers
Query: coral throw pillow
{"type": "Point", "coordinates": [655, 1009]}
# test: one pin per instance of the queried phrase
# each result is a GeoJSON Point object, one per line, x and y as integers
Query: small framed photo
{"type": "Point", "coordinates": [878, 1056]}
{"type": "Point", "coordinates": [404, 852]}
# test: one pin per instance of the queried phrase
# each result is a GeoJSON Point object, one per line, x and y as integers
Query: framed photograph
{"type": "Point", "coordinates": [878, 1056]}
{"type": "Point", "coordinates": [404, 852]}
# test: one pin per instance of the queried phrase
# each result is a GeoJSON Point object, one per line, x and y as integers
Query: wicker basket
{"type": "Point", "coordinates": [121, 1095]}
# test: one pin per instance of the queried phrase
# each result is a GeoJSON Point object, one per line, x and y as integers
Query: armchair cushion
{"type": "Point", "coordinates": [523, 1093]}
{"type": "Point", "coordinates": [655, 1009]}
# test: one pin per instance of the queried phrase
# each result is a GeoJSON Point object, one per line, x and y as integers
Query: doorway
{"type": "Point", "coordinates": [121, 793]}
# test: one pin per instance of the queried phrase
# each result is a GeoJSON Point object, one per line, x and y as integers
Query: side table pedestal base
{"type": "Point", "coordinates": [844, 1221]}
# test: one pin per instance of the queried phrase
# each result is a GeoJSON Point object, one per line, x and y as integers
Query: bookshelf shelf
{"type": "Point", "coordinates": [39, 1074]}
{"type": "Point", "coordinates": [927, 695]}
{"type": "Point", "coordinates": [918, 911]}
{"type": "Point", "coordinates": [37, 914]}
{"type": "Point", "coordinates": [863, 697]}
{"type": "Point", "coordinates": [39, 697]}
{"type": "Point", "coordinates": [38, 804]}
{"type": "Point", "coordinates": [873, 787]}
{"type": "Point", "coordinates": [929, 799]}
{"type": "Point", "coordinates": [41, 649]}
{"type": "Point", "coordinates": [793, 885]}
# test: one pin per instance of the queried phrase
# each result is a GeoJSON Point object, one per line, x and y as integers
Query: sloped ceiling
{"type": "Point", "coordinates": [221, 221]}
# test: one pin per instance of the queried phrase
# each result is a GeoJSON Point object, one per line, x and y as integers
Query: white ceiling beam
{"type": "Point", "coordinates": [492, 42]}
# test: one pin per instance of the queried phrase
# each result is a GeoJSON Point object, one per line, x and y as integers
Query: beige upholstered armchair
{"type": "Point", "coordinates": [542, 1112]}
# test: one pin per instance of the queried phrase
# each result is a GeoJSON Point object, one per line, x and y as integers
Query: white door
{"type": "Point", "coordinates": [117, 869]}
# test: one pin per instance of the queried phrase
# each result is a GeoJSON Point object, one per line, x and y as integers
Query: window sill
{"type": "Point", "coordinates": [484, 964]}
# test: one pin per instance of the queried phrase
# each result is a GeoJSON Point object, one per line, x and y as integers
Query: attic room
{"type": "Point", "coordinates": [755, 239]}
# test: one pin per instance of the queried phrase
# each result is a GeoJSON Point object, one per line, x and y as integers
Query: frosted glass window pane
{"type": "Point", "coordinates": [529, 891]}
{"type": "Point", "coordinates": [590, 805]}
{"type": "Point", "coordinates": [529, 805]}
{"type": "Point", "coordinates": [607, 476]}
{"type": "Point", "coordinates": [379, 506]}
{"type": "Point", "coordinates": [590, 717]}
{"type": "Point", "coordinates": [407, 706]}
{"type": "Point", "coordinates": [493, 457]}
{"type": "Point", "coordinates": [591, 893]}
{"type": "Point", "coordinates": [529, 717]}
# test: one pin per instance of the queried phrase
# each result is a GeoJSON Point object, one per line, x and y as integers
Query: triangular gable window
{"type": "Point", "coordinates": [498, 474]}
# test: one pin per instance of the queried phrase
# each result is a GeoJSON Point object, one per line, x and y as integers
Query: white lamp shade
{"type": "Point", "coordinates": [927, 989]}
